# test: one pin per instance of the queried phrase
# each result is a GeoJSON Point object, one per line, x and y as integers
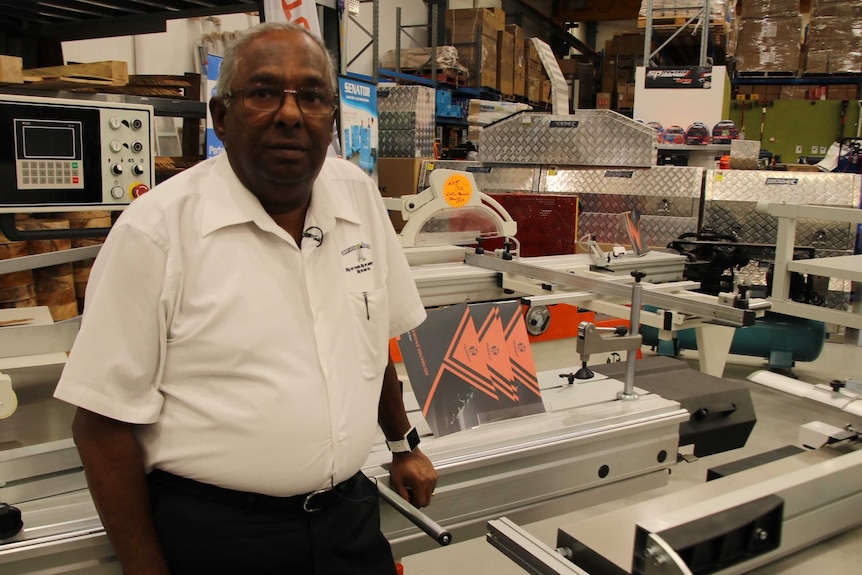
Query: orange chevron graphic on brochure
{"type": "Point", "coordinates": [461, 367]}
{"type": "Point", "coordinates": [493, 344]}
{"type": "Point", "coordinates": [520, 353]}
{"type": "Point", "coordinates": [464, 359]}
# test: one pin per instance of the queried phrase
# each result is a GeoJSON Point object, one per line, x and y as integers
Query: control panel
{"type": "Point", "coordinates": [56, 152]}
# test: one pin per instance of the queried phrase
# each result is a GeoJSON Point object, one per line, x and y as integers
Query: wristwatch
{"type": "Point", "coordinates": [406, 444]}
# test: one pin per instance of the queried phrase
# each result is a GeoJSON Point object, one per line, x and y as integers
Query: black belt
{"type": "Point", "coordinates": [248, 501]}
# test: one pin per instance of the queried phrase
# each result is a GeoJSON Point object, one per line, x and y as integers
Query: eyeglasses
{"type": "Point", "coordinates": [311, 101]}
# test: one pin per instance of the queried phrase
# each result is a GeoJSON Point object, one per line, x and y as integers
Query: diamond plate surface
{"type": "Point", "coordinates": [792, 187]}
{"type": "Point", "coordinates": [741, 220]}
{"type": "Point", "coordinates": [586, 138]}
{"type": "Point", "coordinates": [418, 99]}
{"type": "Point", "coordinates": [837, 290]}
{"type": "Point", "coordinates": [661, 181]}
{"type": "Point", "coordinates": [405, 121]}
{"type": "Point", "coordinates": [644, 205]}
{"type": "Point", "coordinates": [406, 143]}
{"type": "Point", "coordinates": [488, 178]}
{"type": "Point", "coordinates": [656, 231]}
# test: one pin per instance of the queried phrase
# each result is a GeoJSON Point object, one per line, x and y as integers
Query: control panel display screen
{"type": "Point", "coordinates": [49, 142]}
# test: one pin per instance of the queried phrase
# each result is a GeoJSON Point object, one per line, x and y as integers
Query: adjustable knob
{"type": "Point", "coordinates": [137, 169]}
{"type": "Point", "coordinates": [117, 169]}
{"type": "Point", "coordinates": [10, 521]}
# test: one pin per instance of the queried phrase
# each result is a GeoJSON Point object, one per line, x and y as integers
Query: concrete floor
{"type": "Point", "coordinates": [779, 417]}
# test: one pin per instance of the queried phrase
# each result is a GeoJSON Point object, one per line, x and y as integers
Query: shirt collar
{"type": "Point", "coordinates": [228, 202]}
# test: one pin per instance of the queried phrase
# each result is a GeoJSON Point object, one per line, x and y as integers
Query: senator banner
{"type": "Point", "coordinates": [681, 77]}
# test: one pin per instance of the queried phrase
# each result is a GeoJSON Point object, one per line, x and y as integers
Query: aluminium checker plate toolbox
{"type": "Point", "coordinates": [667, 197]}
{"type": "Point", "coordinates": [730, 200]}
{"type": "Point", "coordinates": [585, 138]}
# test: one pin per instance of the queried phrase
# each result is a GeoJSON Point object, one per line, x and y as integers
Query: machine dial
{"type": "Point", "coordinates": [138, 170]}
{"type": "Point", "coordinates": [117, 169]}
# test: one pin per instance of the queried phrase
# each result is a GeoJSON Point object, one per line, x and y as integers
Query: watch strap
{"type": "Point", "coordinates": [406, 444]}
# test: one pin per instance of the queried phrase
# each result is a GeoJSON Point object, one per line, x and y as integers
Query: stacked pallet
{"type": "Point", "coordinates": [672, 14]}
{"type": "Point", "coordinates": [833, 37]}
{"type": "Point", "coordinates": [769, 35]}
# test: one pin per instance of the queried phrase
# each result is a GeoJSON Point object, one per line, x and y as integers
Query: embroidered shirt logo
{"type": "Point", "coordinates": [363, 264]}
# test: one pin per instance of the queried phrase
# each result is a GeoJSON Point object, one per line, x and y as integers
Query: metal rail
{"type": "Point", "coordinates": [713, 311]}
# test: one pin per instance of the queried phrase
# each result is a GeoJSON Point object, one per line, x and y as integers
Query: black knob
{"type": "Point", "coordinates": [479, 248]}
{"type": "Point", "coordinates": [837, 385]}
{"type": "Point", "coordinates": [568, 376]}
{"type": "Point", "coordinates": [10, 521]}
{"type": "Point", "coordinates": [638, 275]}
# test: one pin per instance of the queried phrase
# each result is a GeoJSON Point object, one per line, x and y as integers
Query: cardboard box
{"type": "Point", "coordinates": [517, 33]}
{"type": "Point", "coordinates": [769, 44]}
{"type": "Point", "coordinates": [534, 89]}
{"type": "Point", "coordinates": [519, 64]}
{"type": "Point", "coordinates": [603, 100]}
{"type": "Point", "coordinates": [568, 66]}
{"type": "Point", "coordinates": [625, 101]}
{"type": "Point", "coordinates": [534, 69]}
{"type": "Point", "coordinates": [530, 52]}
{"type": "Point", "coordinates": [761, 8]}
{"type": "Point", "coordinates": [479, 56]}
{"type": "Point", "coordinates": [398, 177]}
{"type": "Point", "coordinates": [546, 92]}
{"type": "Point", "coordinates": [10, 70]}
{"type": "Point", "coordinates": [836, 8]}
{"type": "Point", "coordinates": [842, 92]}
{"type": "Point", "coordinates": [475, 22]}
{"type": "Point", "coordinates": [793, 92]}
{"type": "Point", "coordinates": [505, 63]}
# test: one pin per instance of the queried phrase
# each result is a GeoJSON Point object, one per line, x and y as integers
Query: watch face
{"type": "Point", "coordinates": [413, 439]}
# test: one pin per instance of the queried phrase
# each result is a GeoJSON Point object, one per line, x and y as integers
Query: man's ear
{"type": "Point", "coordinates": [218, 111]}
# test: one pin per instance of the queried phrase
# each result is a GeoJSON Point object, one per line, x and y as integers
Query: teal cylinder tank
{"type": "Point", "coordinates": [772, 335]}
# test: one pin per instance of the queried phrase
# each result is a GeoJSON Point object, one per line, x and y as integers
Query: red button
{"type": "Point", "coordinates": [140, 189]}
{"type": "Point", "coordinates": [75, 180]}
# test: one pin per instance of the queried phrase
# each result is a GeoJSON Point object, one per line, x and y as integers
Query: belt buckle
{"type": "Point", "coordinates": [308, 498]}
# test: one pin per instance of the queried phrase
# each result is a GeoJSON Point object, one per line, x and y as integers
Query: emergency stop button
{"type": "Point", "coordinates": [139, 189]}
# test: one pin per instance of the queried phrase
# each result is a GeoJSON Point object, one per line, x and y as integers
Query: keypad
{"type": "Point", "coordinates": [50, 173]}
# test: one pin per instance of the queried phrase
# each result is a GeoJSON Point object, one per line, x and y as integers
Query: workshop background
{"type": "Point", "coordinates": [740, 101]}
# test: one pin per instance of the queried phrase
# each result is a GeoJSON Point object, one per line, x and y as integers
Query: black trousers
{"type": "Point", "coordinates": [204, 534]}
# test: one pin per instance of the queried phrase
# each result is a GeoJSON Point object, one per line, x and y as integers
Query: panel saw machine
{"type": "Point", "coordinates": [598, 438]}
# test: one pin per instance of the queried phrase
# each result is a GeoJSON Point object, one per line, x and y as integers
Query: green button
{"type": "Point", "coordinates": [74, 164]}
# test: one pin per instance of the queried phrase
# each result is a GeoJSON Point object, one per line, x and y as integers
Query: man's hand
{"type": "Point", "coordinates": [413, 477]}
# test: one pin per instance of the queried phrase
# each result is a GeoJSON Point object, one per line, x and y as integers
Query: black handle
{"type": "Point", "coordinates": [716, 411]}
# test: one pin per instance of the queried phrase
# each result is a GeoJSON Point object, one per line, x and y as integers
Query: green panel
{"type": "Point", "coordinates": [790, 123]}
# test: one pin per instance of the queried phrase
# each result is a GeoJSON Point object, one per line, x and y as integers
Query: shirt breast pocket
{"type": "Point", "coordinates": [370, 320]}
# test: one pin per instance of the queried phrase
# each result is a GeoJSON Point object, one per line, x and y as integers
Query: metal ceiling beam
{"type": "Point", "coordinates": [556, 30]}
{"type": "Point", "coordinates": [133, 16]}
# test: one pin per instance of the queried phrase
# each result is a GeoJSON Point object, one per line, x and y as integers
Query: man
{"type": "Point", "coordinates": [229, 365]}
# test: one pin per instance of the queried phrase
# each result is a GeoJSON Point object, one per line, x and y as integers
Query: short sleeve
{"type": "Point", "coordinates": [116, 361]}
